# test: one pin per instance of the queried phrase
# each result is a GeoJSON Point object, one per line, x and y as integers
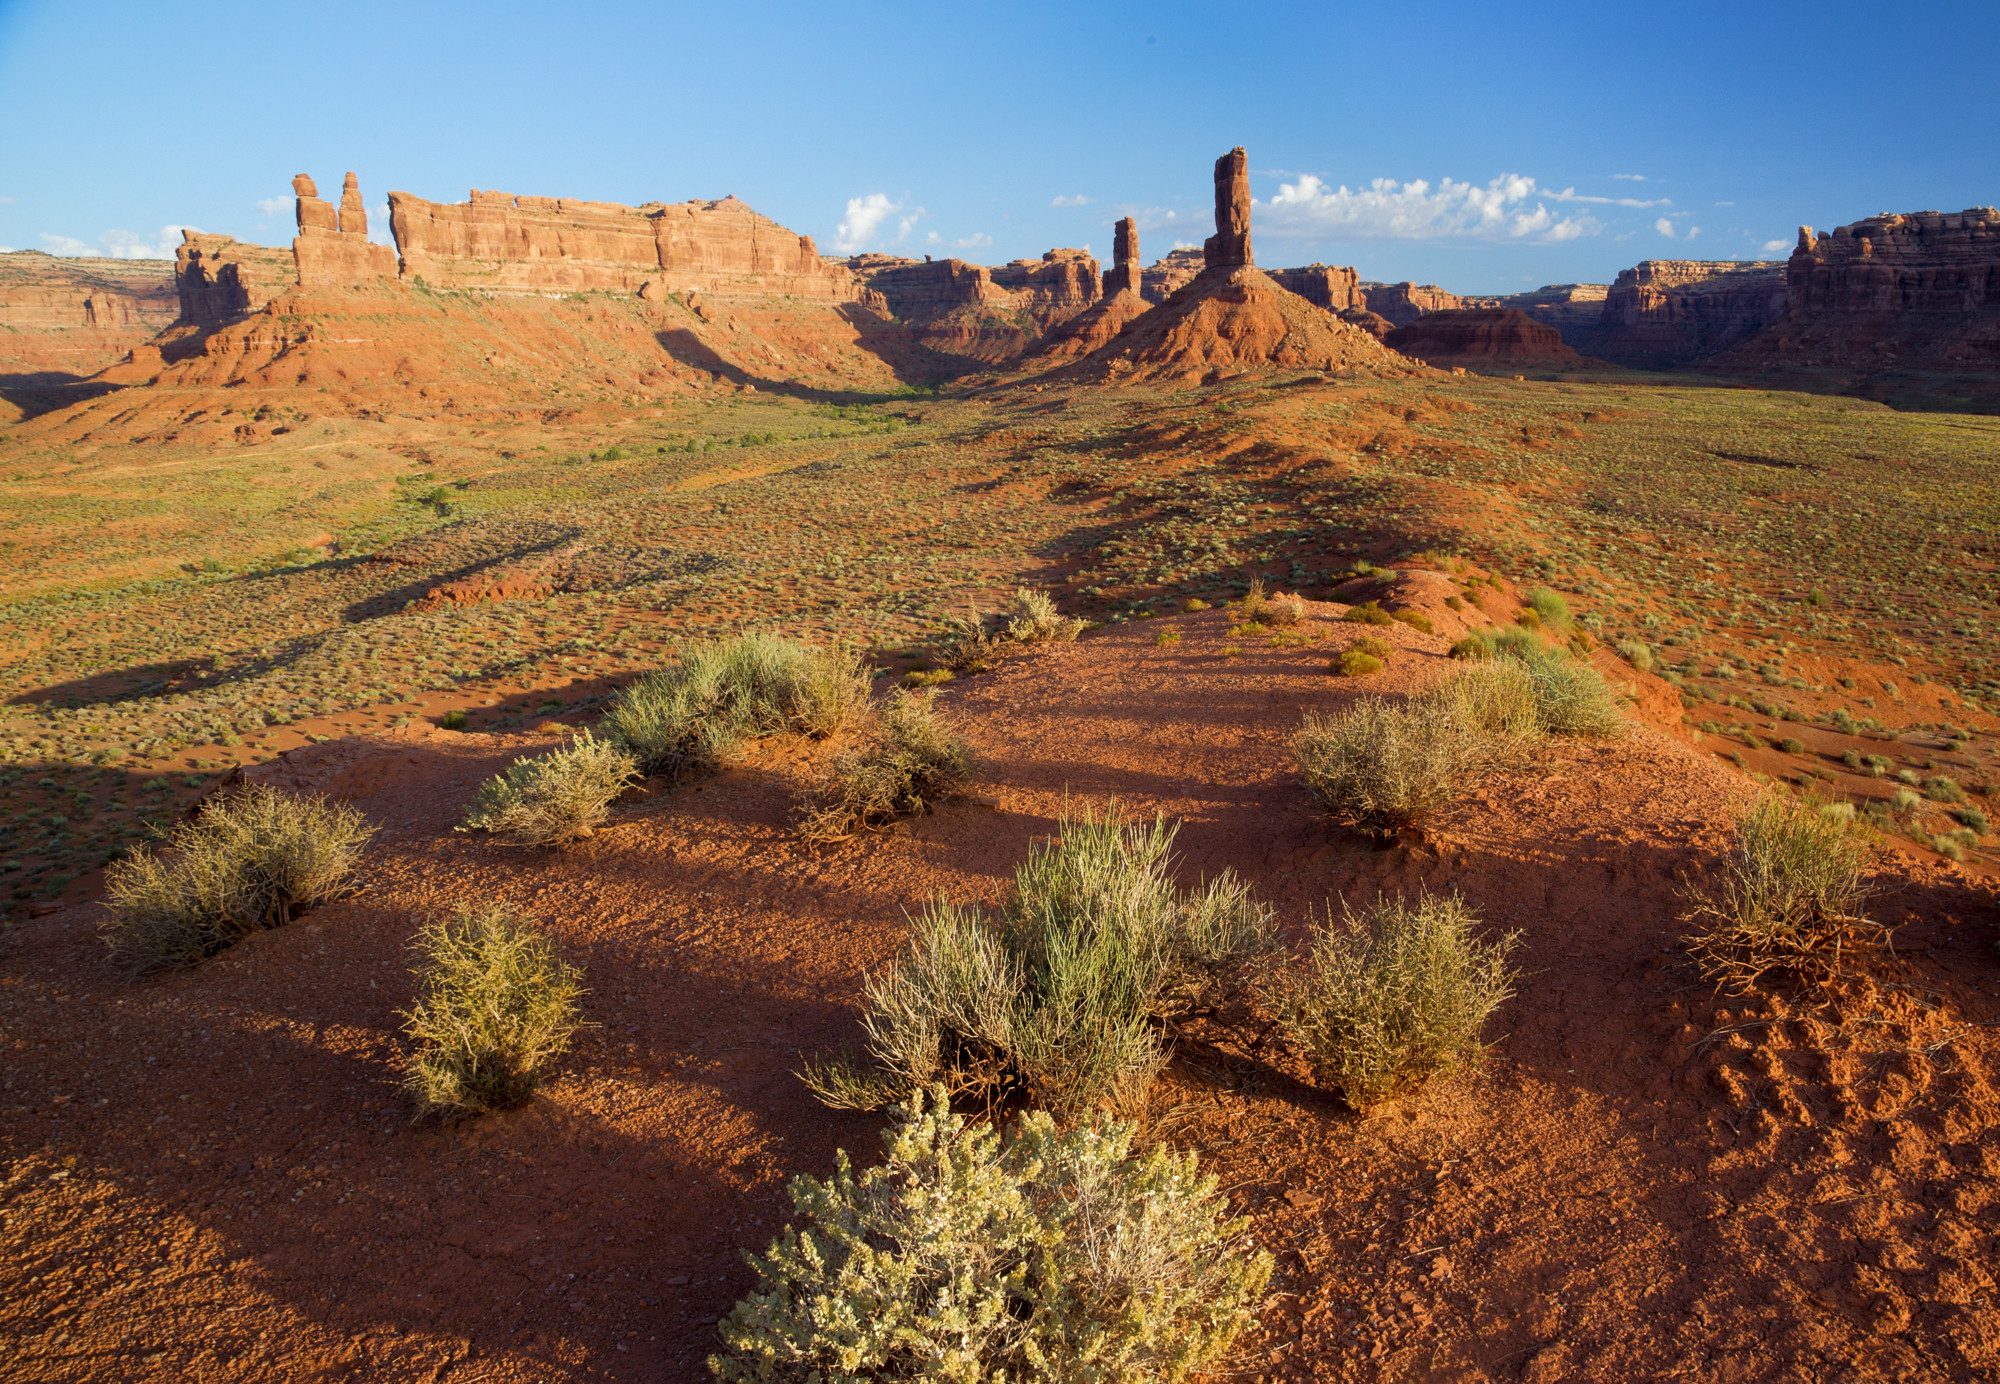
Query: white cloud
{"type": "Point", "coordinates": [8, 202]}
{"type": "Point", "coordinates": [1725, 204]}
{"type": "Point", "coordinates": [6, 249]}
{"type": "Point", "coordinates": [1570, 194]}
{"type": "Point", "coordinates": [1771, 247]}
{"type": "Point", "coordinates": [978, 240]}
{"type": "Point", "coordinates": [1628, 177]}
{"type": "Point", "coordinates": [119, 244]}
{"type": "Point", "coordinates": [864, 219]}
{"type": "Point", "coordinates": [1077, 201]}
{"type": "Point", "coordinates": [271, 206]}
{"type": "Point", "coordinates": [1693, 231]}
{"type": "Point", "coordinates": [1505, 209]}
{"type": "Point", "coordinates": [1664, 227]}
{"type": "Point", "coordinates": [933, 239]}
{"type": "Point", "coordinates": [1184, 245]}
{"type": "Point", "coordinates": [378, 225]}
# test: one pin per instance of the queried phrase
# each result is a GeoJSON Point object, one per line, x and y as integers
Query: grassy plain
{"type": "Point", "coordinates": [1813, 572]}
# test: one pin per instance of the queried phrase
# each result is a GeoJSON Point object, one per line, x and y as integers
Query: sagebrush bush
{"type": "Point", "coordinates": [915, 759]}
{"type": "Point", "coordinates": [1387, 766]}
{"type": "Point", "coordinates": [1261, 608]}
{"type": "Point", "coordinates": [1370, 613]}
{"type": "Point", "coordinates": [1571, 696]}
{"type": "Point", "coordinates": [1552, 609]}
{"type": "Point", "coordinates": [496, 1006]}
{"type": "Point", "coordinates": [968, 1256]}
{"type": "Point", "coordinates": [1056, 997]}
{"type": "Point", "coordinates": [685, 718]}
{"type": "Point", "coordinates": [1790, 896]}
{"type": "Point", "coordinates": [1357, 662]}
{"type": "Point", "coordinates": [554, 798]}
{"type": "Point", "coordinates": [1415, 619]}
{"type": "Point", "coordinates": [1637, 654]}
{"type": "Point", "coordinates": [1394, 996]}
{"type": "Point", "coordinates": [1034, 619]}
{"type": "Point", "coordinates": [249, 861]}
{"type": "Point", "coordinates": [968, 645]}
{"type": "Point", "coordinates": [1496, 699]}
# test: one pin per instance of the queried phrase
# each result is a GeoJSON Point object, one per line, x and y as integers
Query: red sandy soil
{"type": "Point", "coordinates": [214, 1177]}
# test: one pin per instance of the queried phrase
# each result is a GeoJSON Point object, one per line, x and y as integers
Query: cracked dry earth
{"type": "Point", "coordinates": [213, 1177]}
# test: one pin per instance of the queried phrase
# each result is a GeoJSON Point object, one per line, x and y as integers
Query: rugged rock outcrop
{"type": "Point", "coordinates": [63, 318]}
{"type": "Point", "coordinates": [1569, 308]}
{"type": "Point", "coordinates": [1484, 338]}
{"type": "Point", "coordinates": [1230, 245]}
{"type": "Point", "coordinates": [498, 242]}
{"type": "Point", "coordinates": [220, 278]}
{"type": "Point", "coordinates": [1328, 286]}
{"type": "Point", "coordinates": [1059, 285]}
{"type": "Point", "coordinates": [982, 316]}
{"type": "Point", "coordinates": [1663, 313]}
{"type": "Point", "coordinates": [1163, 278]}
{"type": "Point", "coordinates": [1124, 275]}
{"type": "Point", "coordinates": [332, 250]}
{"type": "Point", "coordinates": [1405, 302]}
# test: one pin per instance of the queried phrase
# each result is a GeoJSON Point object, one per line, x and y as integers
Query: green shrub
{"type": "Point", "coordinates": [1790, 896]}
{"type": "Point", "coordinates": [1944, 790]}
{"type": "Point", "coordinates": [250, 861]}
{"type": "Point", "coordinates": [1572, 696]}
{"type": "Point", "coordinates": [1369, 614]}
{"type": "Point", "coordinates": [1059, 995]}
{"type": "Point", "coordinates": [967, 646]}
{"type": "Point", "coordinates": [1395, 996]}
{"type": "Point", "coordinates": [1353, 663]}
{"type": "Point", "coordinates": [1878, 764]}
{"type": "Point", "coordinates": [1033, 619]}
{"type": "Point", "coordinates": [496, 1005]}
{"type": "Point", "coordinates": [1905, 800]}
{"type": "Point", "coordinates": [966, 1256]}
{"type": "Point", "coordinates": [1415, 619]}
{"type": "Point", "coordinates": [1852, 759]}
{"type": "Point", "coordinates": [452, 720]}
{"type": "Point", "coordinates": [685, 718]}
{"type": "Point", "coordinates": [1496, 699]}
{"type": "Point", "coordinates": [1636, 654]}
{"type": "Point", "coordinates": [916, 759]}
{"type": "Point", "coordinates": [1262, 609]}
{"type": "Point", "coordinates": [1973, 819]}
{"type": "Point", "coordinates": [555, 798]}
{"type": "Point", "coordinates": [1387, 766]}
{"type": "Point", "coordinates": [1791, 745]}
{"type": "Point", "coordinates": [1551, 609]}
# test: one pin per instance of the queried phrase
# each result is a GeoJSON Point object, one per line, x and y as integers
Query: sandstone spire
{"type": "Point", "coordinates": [1805, 241]}
{"type": "Point", "coordinates": [314, 214]}
{"type": "Point", "coordinates": [1124, 271]}
{"type": "Point", "coordinates": [353, 215]}
{"type": "Point", "coordinates": [1230, 245]}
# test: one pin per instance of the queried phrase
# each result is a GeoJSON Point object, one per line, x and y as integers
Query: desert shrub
{"type": "Point", "coordinates": [1472, 649]}
{"type": "Point", "coordinates": [1415, 619]}
{"type": "Point", "coordinates": [452, 720]}
{"type": "Point", "coordinates": [1851, 758]}
{"type": "Point", "coordinates": [1166, 639]}
{"type": "Point", "coordinates": [1878, 764]}
{"type": "Point", "coordinates": [1370, 613]}
{"type": "Point", "coordinates": [967, 1255]}
{"type": "Point", "coordinates": [928, 677]}
{"type": "Point", "coordinates": [1394, 996]}
{"type": "Point", "coordinates": [1261, 608]}
{"type": "Point", "coordinates": [1572, 696]}
{"type": "Point", "coordinates": [684, 718]}
{"type": "Point", "coordinates": [1792, 745]}
{"type": "Point", "coordinates": [1973, 819]}
{"type": "Point", "coordinates": [1528, 618]}
{"type": "Point", "coordinates": [555, 798]}
{"type": "Point", "coordinates": [1387, 766]}
{"type": "Point", "coordinates": [1057, 997]}
{"type": "Point", "coordinates": [1551, 608]}
{"type": "Point", "coordinates": [1905, 800]}
{"type": "Point", "coordinates": [1033, 619]}
{"type": "Point", "coordinates": [1636, 654]}
{"type": "Point", "coordinates": [250, 861]}
{"type": "Point", "coordinates": [496, 1005]}
{"type": "Point", "coordinates": [1496, 699]}
{"type": "Point", "coordinates": [1357, 662]}
{"type": "Point", "coordinates": [1193, 604]}
{"type": "Point", "coordinates": [967, 645]}
{"type": "Point", "coordinates": [916, 758]}
{"type": "Point", "coordinates": [1944, 790]}
{"type": "Point", "coordinates": [1790, 896]}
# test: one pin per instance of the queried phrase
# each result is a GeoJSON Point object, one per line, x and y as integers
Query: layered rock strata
{"type": "Point", "coordinates": [1124, 275]}
{"type": "Point", "coordinates": [982, 316]}
{"type": "Point", "coordinates": [1663, 313]}
{"type": "Point", "coordinates": [1160, 280]}
{"type": "Point", "coordinates": [333, 248]}
{"type": "Point", "coordinates": [1480, 337]}
{"type": "Point", "coordinates": [70, 317]}
{"type": "Point", "coordinates": [1405, 302]}
{"type": "Point", "coordinates": [498, 242]}
{"type": "Point", "coordinates": [1328, 286]}
{"type": "Point", "coordinates": [220, 279]}
{"type": "Point", "coordinates": [1569, 308]}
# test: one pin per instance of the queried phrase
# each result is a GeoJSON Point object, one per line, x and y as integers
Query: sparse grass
{"type": "Point", "coordinates": [916, 759]}
{"type": "Point", "coordinates": [1636, 654]}
{"type": "Point", "coordinates": [1058, 997]}
{"type": "Point", "coordinates": [250, 861]}
{"type": "Point", "coordinates": [496, 1006]}
{"type": "Point", "coordinates": [556, 798]}
{"type": "Point", "coordinates": [1789, 897]}
{"type": "Point", "coordinates": [969, 1255]}
{"type": "Point", "coordinates": [1388, 766]}
{"type": "Point", "coordinates": [1034, 619]}
{"type": "Point", "coordinates": [687, 717]}
{"type": "Point", "coordinates": [1394, 996]}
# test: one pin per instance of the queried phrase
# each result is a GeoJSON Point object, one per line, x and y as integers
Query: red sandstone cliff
{"type": "Point", "coordinates": [1486, 339]}
{"type": "Point", "coordinates": [1326, 286]}
{"type": "Point", "coordinates": [64, 318]}
{"type": "Point", "coordinates": [956, 309]}
{"type": "Point", "coordinates": [1160, 280]}
{"type": "Point", "coordinates": [1405, 302]}
{"type": "Point", "coordinates": [1663, 313]}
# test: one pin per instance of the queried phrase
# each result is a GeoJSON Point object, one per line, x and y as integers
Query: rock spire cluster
{"type": "Point", "coordinates": [1230, 245]}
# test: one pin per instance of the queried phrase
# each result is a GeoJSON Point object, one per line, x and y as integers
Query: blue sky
{"type": "Point", "coordinates": [1484, 147]}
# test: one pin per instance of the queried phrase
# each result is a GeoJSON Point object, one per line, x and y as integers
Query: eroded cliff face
{"type": "Point", "coordinates": [1161, 279]}
{"type": "Point", "coordinates": [64, 317]}
{"type": "Point", "coordinates": [1496, 339]}
{"type": "Point", "coordinates": [1569, 308]}
{"type": "Point", "coordinates": [499, 242]}
{"type": "Point", "coordinates": [1664, 313]}
{"type": "Point", "coordinates": [1329, 286]}
{"type": "Point", "coordinates": [954, 308]}
{"type": "Point", "coordinates": [1405, 302]}
{"type": "Point", "coordinates": [332, 248]}
{"type": "Point", "coordinates": [221, 279]}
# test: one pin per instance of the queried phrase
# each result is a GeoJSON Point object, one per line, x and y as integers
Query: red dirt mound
{"type": "Point", "coordinates": [1228, 320]}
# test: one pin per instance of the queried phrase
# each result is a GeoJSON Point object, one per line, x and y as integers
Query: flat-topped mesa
{"type": "Point", "coordinates": [220, 279]}
{"type": "Point", "coordinates": [502, 243]}
{"type": "Point", "coordinates": [1230, 245]}
{"type": "Point", "coordinates": [1924, 262]}
{"type": "Point", "coordinates": [1160, 280]}
{"type": "Point", "coordinates": [1124, 274]}
{"type": "Point", "coordinates": [332, 248]}
{"type": "Point", "coordinates": [1061, 283]}
{"type": "Point", "coordinates": [1405, 302]}
{"type": "Point", "coordinates": [1330, 286]}
{"type": "Point", "coordinates": [1663, 313]}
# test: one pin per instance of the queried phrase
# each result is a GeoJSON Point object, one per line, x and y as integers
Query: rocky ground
{"type": "Point", "coordinates": [214, 1177]}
